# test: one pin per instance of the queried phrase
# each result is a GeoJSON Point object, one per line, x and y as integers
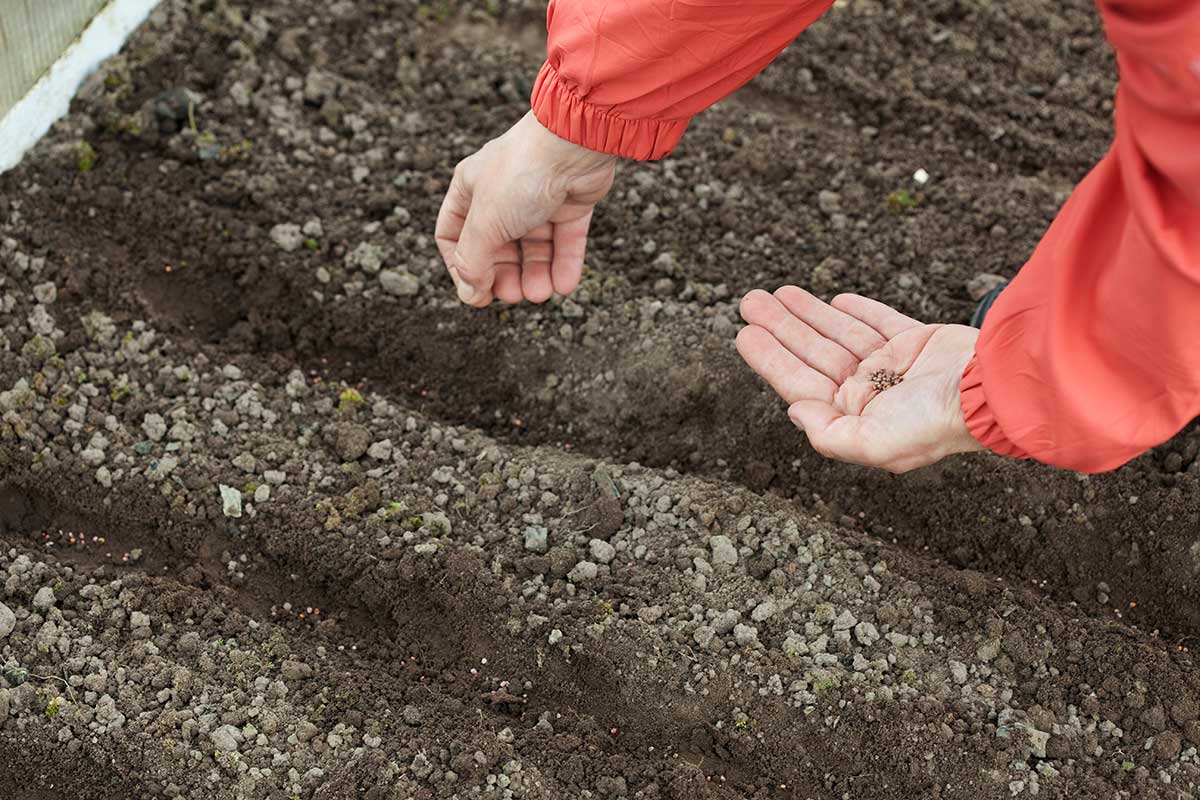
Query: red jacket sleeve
{"type": "Point", "coordinates": [625, 76]}
{"type": "Point", "coordinates": [1092, 354]}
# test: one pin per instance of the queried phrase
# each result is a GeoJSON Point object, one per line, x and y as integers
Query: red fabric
{"type": "Point", "coordinates": [625, 76]}
{"type": "Point", "coordinates": [1092, 354]}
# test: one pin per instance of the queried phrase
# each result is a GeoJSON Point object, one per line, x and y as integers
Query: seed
{"type": "Point", "coordinates": [885, 379]}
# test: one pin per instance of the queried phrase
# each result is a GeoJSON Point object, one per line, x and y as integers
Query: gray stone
{"type": "Point", "coordinates": [723, 551]}
{"type": "Point", "coordinates": [866, 633]}
{"type": "Point", "coordinates": [764, 610]}
{"type": "Point", "coordinates": [845, 621]}
{"type": "Point", "coordinates": [704, 635]}
{"type": "Point", "coordinates": [602, 551]}
{"type": "Point", "coordinates": [723, 623]}
{"type": "Point", "coordinates": [8, 621]}
{"type": "Point", "coordinates": [583, 572]}
{"type": "Point", "coordinates": [958, 671]}
{"type": "Point", "coordinates": [155, 427]}
{"type": "Point", "coordinates": [352, 441]}
{"type": "Point", "coordinates": [295, 670]}
{"type": "Point", "coordinates": [226, 738]}
{"type": "Point", "coordinates": [983, 283]}
{"type": "Point", "coordinates": [745, 635]}
{"type": "Point", "coordinates": [231, 501]}
{"type": "Point", "coordinates": [381, 451]}
{"type": "Point", "coordinates": [367, 257]}
{"type": "Point", "coordinates": [399, 283]}
{"type": "Point", "coordinates": [287, 236]}
{"type": "Point", "coordinates": [537, 539]}
{"type": "Point", "coordinates": [44, 598]}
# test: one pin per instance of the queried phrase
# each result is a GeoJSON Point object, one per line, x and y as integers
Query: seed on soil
{"type": "Point", "coordinates": [885, 379]}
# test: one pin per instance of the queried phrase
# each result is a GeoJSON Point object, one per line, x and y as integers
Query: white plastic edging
{"type": "Point", "coordinates": [50, 97]}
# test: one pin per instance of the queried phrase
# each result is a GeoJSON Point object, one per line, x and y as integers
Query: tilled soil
{"type": "Point", "coordinates": [280, 519]}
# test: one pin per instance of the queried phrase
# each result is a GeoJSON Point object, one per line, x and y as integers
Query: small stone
{"type": "Point", "coordinates": [231, 501]}
{"type": "Point", "coordinates": [352, 442]}
{"type": "Point", "coordinates": [44, 598]}
{"type": "Point", "coordinates": [723, 551]}
{"type": "Point", "coordinates": [537, 539]}
{"type": "Point", "coordinates": [45, 293]}
{"type": "Point", "coordinates": [420, 766]}
{"type": "Point", "coordinates": [602, 551]}
{"type": "Point", "coordinates": [845, 621]}
{"type": "Point", "coordinates": [244, 462]}
{"type": "Point", "coordinates": [295, 670]}
{"type": "Point", "coordinates": [155, 427]}
{"type": "Point", "coordinates": [983, 283]}
{"type": "Point", "coordinates": [650, 614]}
{"type": "Point", "coordinates": [306, 731]}
{"type": "Point", "coordinates": [225, 738]}
{"type": "Point", "coordinates": [583, 572]}
{"type": "Point", "coordinates": [367, 257]}
{"type": "Point", "coordinates": [764, 610]}
{"type": "Point", "coordinates": [399, 283]}
{"type": "Point", "coordinates": [8, 621]}
{"type": "Point", "coordinates": [555, 636]}
{"type": "Point", "coordinates": [829, 202]}
{"type": "Point", "coordinates": [745, 635]}
{"type": "Point", "coordinates": [275, 477]}
{"type": "Point", "coordinates": [287, 236]}
{"type": "Point", "coordinates": [866, 633]}
{"type": "Point", "coordinates": [412, 715]}
{"type": "Point", "coordinates": [139, 619]}
{"type": "Point", "coordinates": [958, 671]}
{"type": "Point", "coordinates": [703, 635]}
{"type": "Point", "coordinates": [93, 457]}
{"type": "Point", "coordinates": [987, 651]}
{"type": "Point", "coordinates": [723, 623]}
{"type": "Point", "coordinates": [317, 86]}
{"type": "Point", "coordinates": [381, 451]}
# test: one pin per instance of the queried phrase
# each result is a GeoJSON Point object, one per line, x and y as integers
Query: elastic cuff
{"type": "Point", "coordinates": [564, 114]}
{"type": "Point", "coordinates": [978, 415]}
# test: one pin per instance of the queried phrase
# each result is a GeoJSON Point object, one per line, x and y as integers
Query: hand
{"type": "Point", "coordinates": [514, 222]}
{"type": "Point", "coordinates": [821, 359]}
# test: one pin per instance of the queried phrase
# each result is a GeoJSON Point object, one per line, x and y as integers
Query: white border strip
{"type": "Point", "coordinates": [50, 97]}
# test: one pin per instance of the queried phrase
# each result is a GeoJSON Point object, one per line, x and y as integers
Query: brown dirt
{"type": "Point", "coordinates": [1088, 584]}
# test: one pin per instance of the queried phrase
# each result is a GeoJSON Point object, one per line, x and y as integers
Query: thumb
{"type": "Point", "coordinates": [473, 264]}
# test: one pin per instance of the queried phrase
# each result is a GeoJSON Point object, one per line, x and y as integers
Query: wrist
{"type": "Point", "coordinates": [562, 156]}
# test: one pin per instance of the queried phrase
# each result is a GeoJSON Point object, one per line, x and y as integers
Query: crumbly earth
{"type": "Point", "coordinates": [279, 519]}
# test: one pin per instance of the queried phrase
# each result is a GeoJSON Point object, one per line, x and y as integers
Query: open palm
{"type": "Point", "coordinates": [827, 361]}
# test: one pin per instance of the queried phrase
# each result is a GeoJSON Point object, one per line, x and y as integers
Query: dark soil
{"type": "Point", "coordinates": [354, 115]}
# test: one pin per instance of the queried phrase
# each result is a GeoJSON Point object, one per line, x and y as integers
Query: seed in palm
{"type": "Point", "coordinates": [884, 379]}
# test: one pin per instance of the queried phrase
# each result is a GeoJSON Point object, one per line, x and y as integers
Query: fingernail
{"type": "Point", "coordinates": [466, 292]}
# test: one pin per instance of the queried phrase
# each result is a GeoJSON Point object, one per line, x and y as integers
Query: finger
{"type": "Point", "coordinates": [883, 318]}
{"type": "Point", "coordinates": [831, 433]}
{"type": "Point", "coordinates": [508, 284]}
{"type": "Point", "coordinates": [824, 355]}
{"type": "Point", "coordinates": [450, 219]}
{"type": "Point", "coordinates": [790, 377]}
{"type": "Point", "coordinates": [537, 252]}
{"type": "Point", "coordinates": [853, 334]}
{"type": "Point", "coordinates": [570, 247]}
